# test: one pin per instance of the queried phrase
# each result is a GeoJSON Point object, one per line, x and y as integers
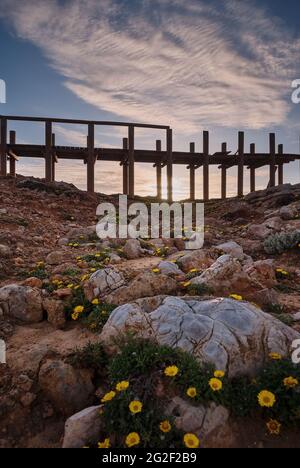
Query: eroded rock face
{"type": "Point", "coordinates": [103, 282]}
{"type": "Point", "coordinates": [210, 424]}
{"type": "Point", "coordinates": [68, 389]}
{"type": "Point", "coordinates": [234, 336]}
{"type": "Point", "coordinates": [21, 302]}
{"type": "Point", "coordinates": [83, 428]}
{"type": "Point", "coordinates": [146, 284]}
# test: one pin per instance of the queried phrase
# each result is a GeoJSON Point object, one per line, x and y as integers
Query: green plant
{"type": "Point", "coordinates": [200, 290]}
{"type": "Point", "coordinates": [92, 356]}
{"type": "Point", "coordinates": [98, 316]}
{"type": "Point", "coordinates": [279, 243]}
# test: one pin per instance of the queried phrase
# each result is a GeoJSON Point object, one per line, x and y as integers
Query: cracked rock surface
{"type": "Point", "coordinates": [234, 336]}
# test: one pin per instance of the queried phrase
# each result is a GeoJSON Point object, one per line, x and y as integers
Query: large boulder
{"type": "Point", "coordinates": [21, 302]}
{"type": "Point", "coordinates": [69, 390]}
{"type": "Point", "coordinates": [146, 284]}
{"type": "Point", "coordinates": [103, 282]}
{"type": "Point", "coordinates": [235, 336]}
{"type": "Point", "coordinates": [83, 428]}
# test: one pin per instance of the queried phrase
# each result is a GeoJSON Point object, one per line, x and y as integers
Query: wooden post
{"type": "Point", "coordinates": [48, 153]}
{"type": "Point", "coordinates": [206, 166]}
{"type": "Point", "coordinates": [170, 164]}
{"type": "Point", "coordinates": [241, 164]}
{"type": "Point", "coordinates": [131, 160]}
{"type": "Point", "coordinates": [3, 147]}
{"type": "Point", "coordinates": [158, 171]}
{"type": "Point", "coordinates": [53, 158]}
{"type": "Point", "coordinates": [224, 175]}
{"type": "Point", "coordinates": [192, 175]}
{"type": "Point", "coordinates": [91, 159]}
{"type": "Point", "coordinates": [252, 169]}
{"type": "Point", "coordinates": [272, 160]}
{"type": "Point", "coordinates": [12, 161]}
{"type": "Point", "coordinates": [280, 166]}
{"type": "Point", "coordinates": [125, 167]}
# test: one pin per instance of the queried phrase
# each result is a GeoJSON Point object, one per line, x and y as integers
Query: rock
{"type": "Point", "coordinates": [296, 317]}
{"type": "Point", "coordinates": [262, 271]}
{"type": "Point", "coordinates": [146, 284]}
{"type": "Point", "coordinates": [33, 282]}
{"type": "Point", "coordinates": [132, 249]}
{"type": "Point", "coordinates": [63, 241]}
{"type": "Point", "coordinates": [114, 259]}
{"type": "Point", "coordinates": [264, 297]}
{"type": "Point", "coordinates": [5, 251]}
{"type": "Point", "coordinates": [273, 223]}
{"type": "Point", "coordinates": [55, 312]}
{"type": "Point", "coordinates": [238, 210]}
{"type": "Point", "coordinates": [258, 231]}
{"type": "Point", "coordinates": [27, 399]}
{"type": "Point", "coordinates": [83, 428]}
{"type": "Point", "coordinates": [198, 259]}
{"type": "Point", "coordinates": [63, 293]}
{"type": "Point", "coordinates": [103, 282]}
{"type": "Point", "coordinates": [234, 336]}
{"type": "Point", "coordinates": [21, 302]}
{"type": "Point", "coordinates": [288, 213]}
{"type": "Point", "coordinates": [231, 248]}
{"type": "Point", "coordinates": [169, 269]}
{"type": "Point", "coordinates": [208, 423]}
{"type": "Point", "coordinates": [68, 389]}
{"type": "Point", "coordinates": [81, 232]}
{"type": "Point", "coordinates": [56, 258]}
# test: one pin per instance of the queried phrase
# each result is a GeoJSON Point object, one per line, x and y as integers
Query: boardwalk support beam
{"type": "Point", "coordinates": [91, 159]}
{"type": "Point", "coordinates": [131, 160]}
{"type": "Point", "coordinates": [206, 166]}
{"type": "Point", "coordinates": [192, 175]}
{"type": "Point", "coordinates": [12, 159]}
{"type": "Point", "coordinates": [280, 166]}
{"type": "Point", "coordinates": [3, 147]}
{"type": "Point", "coordinates": [170, 165]}
{"type": "Point", "coordinates": [48, 151]}
{"type": "Point", "coordinates": [272, 160]}
{"type": "Point", "coordinates": [252, 169]}
{"type": "Point", "coordinates": [241, 164]}
{"type": "Point", "coordinates": [224, 175]}
{"type": "Point", "coordinates": [159, 171]}
{"type": "Point", "coordinates": [125, 166]}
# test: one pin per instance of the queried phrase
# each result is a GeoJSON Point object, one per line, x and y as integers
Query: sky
{"type": "Point", "coordinates": [196, 65]}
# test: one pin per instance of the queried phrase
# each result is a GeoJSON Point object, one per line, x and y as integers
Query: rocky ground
{"type": "Point", "coordinates": [229, 304]}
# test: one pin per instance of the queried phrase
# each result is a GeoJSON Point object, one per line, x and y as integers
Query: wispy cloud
{"type": "Point", "coordinates": [190, 64]}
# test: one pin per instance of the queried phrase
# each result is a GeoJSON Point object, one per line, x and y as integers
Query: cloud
{"type": "Point", "coordinates": [189, 64]}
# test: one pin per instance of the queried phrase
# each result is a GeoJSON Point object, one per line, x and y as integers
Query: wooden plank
{"type": "Point", "coordinates": [241, 164]}
{"type": "Point", "coordinates": [192, 175]}
{"type": "Point", "coordinates": [272, 160]}
{"type": "Point", "coordinates": [252, 169]}
{"type": "Point", "coordinates": [159, 171]}
{"type": "Point", "coordinates": [3, 147]}
{"type": "Point", "coordinates": [224, 175]}
{"type": "Point", "coordinates": [131, 161]}
{"type": "Point", "coordinates": [170, 165]}
{"type": "Point", "coordinates": [280, 166]}
{"type": "Point", "coordinates": [206, 166]}
{"type": "Point", "coordinates": [12, 160]}
{"type": "Point", "coordinates": [48, 152]}
{"type": "Point", "coordinates": [91, 159]}
{"type": "Point", "coordinates": [125, 167]}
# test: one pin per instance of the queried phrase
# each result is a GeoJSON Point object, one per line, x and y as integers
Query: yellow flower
{"type": "Point", "coordinates": [275, 356]}
{"type": "Point", "coordinates": [266, 399]}
{"type": "Point", "coordinates": [97, 255]}
{"type": "Point", "coordinates": [135, 407]}
{"type": "Point", "coordinates": [165, 426]}
{"type": "Point", "coordinates": [79, 309]}
{"type": "Point", "coordinates": [84, 277]}
{"type": "Point", "coordinates": [219, 374]}
{"type": "Point", "coordinates": [155, 270]}
{"type": "Point", "coordinates": [191, 392]}
{"type": "Point", "coordinates": [236, 297]}
{"type": "Point", "coordinates": [104, 444]}
{"type": "Point", "coordinates": [193, 270]}
{"type": "Point", "coordinates": [95, 301]}
{"type": "Point", "coordinates": [70, 286]}
{"type": "Point", "coordinates": [215, 384]}
{"type": "Point", "coordinates": [121, 386]}
{"type": "Point", "coordinates": [132, 439]}
{"type": "Point", "coordinates": [40, 264]}
{"type": "Point", "coordinates": [274, 427]}
{"type": "Point", "coordinates": [77, 287]}
{"type": "Point", "coordinates": [171, 371]}
{"type": "Point", "coordinates": [187, 284]}
{"type": "Point", "coordinates": [75, 316]}
{"type": "Point", "coordinates": [108, 396]}
{"type": "Point", "coordinates": [290, 382]}
{"type": "Point", "coordinates": [191, 441]}
{"type": "Point", "coordinates": [92, 270]}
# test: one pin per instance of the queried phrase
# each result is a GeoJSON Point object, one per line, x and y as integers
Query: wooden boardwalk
{"type": "Point", "coordinates": [128, 155]}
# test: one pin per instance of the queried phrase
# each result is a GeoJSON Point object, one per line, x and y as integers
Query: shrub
{"type": "Point", "coordinates": [92, 356]}
{"type": "Point", "coordinates": [279, 243]}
